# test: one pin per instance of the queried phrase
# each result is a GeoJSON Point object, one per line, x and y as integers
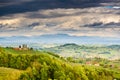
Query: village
{"type": "Point", "coordinates": [22, 47]}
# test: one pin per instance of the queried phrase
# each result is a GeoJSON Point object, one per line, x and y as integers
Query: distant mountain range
{"type": "Point", "coordinates": [60, 38]}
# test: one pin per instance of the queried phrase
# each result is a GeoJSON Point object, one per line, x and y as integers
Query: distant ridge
{"type": "Point", "coordinates": [70, 44]}
{"type": "Point", "coordinates": [61, 38]}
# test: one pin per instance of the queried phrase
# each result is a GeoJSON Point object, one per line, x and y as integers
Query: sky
{"type": "Point", "coordinates": [91, 18]}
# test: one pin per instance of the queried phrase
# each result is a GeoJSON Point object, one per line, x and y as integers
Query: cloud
{"type": "Point", "coordinates": [102, 25]}
{"type": "Point", "coordinates": [20, 6]}
{"type": "Point", "coordinates": [12, 1]}
{"type": "Point", "coordinates": [95, 21]}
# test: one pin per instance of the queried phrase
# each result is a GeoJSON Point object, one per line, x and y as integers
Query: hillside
{"type": "Point", "coordinates": [9, 73]}
{"type": "Point", "coordinates": [46, 66]}
{"type": "Point", "coordinates": [86, 51]}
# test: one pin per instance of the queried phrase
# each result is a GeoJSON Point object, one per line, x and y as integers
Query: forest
{"type": "Point", "coordinates": [41, 65]}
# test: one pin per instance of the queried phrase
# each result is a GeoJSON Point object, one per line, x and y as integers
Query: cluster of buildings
{"type": "Point", "coordinates": [92, 63]}
{"type": "Point", "coordinates": [22, 47]}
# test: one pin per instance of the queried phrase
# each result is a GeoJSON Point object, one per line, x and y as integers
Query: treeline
{"type": "Point", "coordinates": [48, 67]}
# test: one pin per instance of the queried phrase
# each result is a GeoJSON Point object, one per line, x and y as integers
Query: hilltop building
{"type": "Point", "coordinates": [22, 47]}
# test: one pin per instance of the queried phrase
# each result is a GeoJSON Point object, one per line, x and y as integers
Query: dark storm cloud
{"type": "Point", "coordinates": [34, 5]}
{"type": "Point", "coordinates": [94, 24]}
{"type": "Point", "coordinates": [34, 24]}
{"type": "Point", "coordinates": [7, 1]}
{"type": "Point", "coordinates": [112, 23]}
{"type": "Point", "coordinates": [102, 25]}
{"type": "Point", "coordinates": [44, 4]}
{"type": "Point", "coordinates": [12, 1]}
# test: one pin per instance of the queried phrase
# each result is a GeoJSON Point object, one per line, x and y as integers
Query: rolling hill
{"type": "Point", "coordinates": [86, 51]}
{"type": "Point", "coordinates": [44, 66]}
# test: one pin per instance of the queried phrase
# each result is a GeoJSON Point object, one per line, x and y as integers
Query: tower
{"type": "Point", "coordinates": [24, 47]}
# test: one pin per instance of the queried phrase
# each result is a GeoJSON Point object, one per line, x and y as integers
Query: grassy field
{"type": "Point", "coordinates": [9, 73]}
